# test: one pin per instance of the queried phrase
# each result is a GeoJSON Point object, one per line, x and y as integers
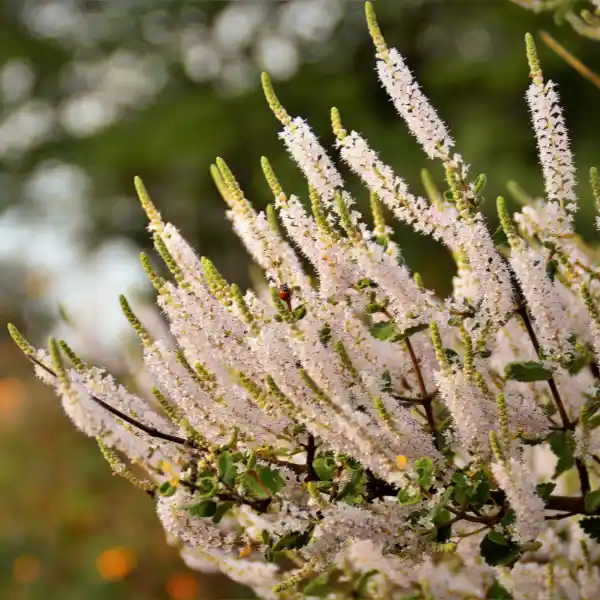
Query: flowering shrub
{"type": "Point", "coordinates": [585, 21]}
{"type": "Point", "coordinates": [342, 432]}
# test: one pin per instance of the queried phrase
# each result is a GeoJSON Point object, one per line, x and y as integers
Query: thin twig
{"type": "Point", "coordinates": [570, 59]}
{"type": "Point", "coordinates": [426, 399]}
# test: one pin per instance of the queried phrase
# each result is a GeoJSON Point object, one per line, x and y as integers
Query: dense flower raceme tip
{"type": "Point", "coordinates": [341, 431]}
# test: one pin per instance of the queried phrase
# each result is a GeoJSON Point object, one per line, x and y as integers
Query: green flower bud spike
{"type": "Point", "coordinates": [378, 40]}
{"type": "Point", "coordinates": [216, 282]}
{"type": "Point", "coordinates": [156, 280]}
{"type": "Point", "coordinates": [345, 221]}
{"type": "Point", "coordinates": [306, 571]}
{"type": "Point", "coordinates": [380, 228]}
{"type": "Point", "coordinates": [60, 371]}
{"type": "Point", "coordinates": [433, 193]}
{"type": "Point", "coordinates": [221, 186]}
{"type": "Point", "coordinates": [147, 205]}
{"type": "Point", "coordinates": [20, 341]}
{"type": "Point", "coordinates": [282, 116]}
{"type": "Point", "coordinates": [436, 340]}
{"type": "Point", "coordinates": [79, 365]}
{"type": "Point", "coordinates": [319, 213]}
{"type": "Point", "coordinates": [244, 310]}
{"type": "Point", "coordinates": [535, 70]}
{"type": "Point", "coordinates": [119, 468]}
{"type": "Point", "coordinates": [239, 201]}
{"type": "Point", "coordinates": [272, 220]}
{"type": "Point", "coordinates": [503, 421]}
{"type": "Point", "coordinates": [134, 321]}
{"type": "Point", "coordinates": [595, 184]}
{"type": "Point", "coordinates": [168, 408]}
{"type": "Point", "coordinates": [168, 259]}
{"type": "Point", "coordinates": [507, 223]}
{"type": "Point", "coordinates": [336, 124]}
{"type": "Point", "coordinates": [518, 193]}
{"type": "Point", "coordinates": [272, 180]}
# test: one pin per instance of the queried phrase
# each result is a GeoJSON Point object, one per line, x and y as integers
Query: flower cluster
{"type": "Point", "coordinates": [341, 431]}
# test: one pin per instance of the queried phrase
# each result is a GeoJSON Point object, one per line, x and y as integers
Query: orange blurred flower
{"type": "Point", "coordinates": [26, 568]}
{"type": "Point", "coordinates": [182, 586]}
{"type": "Point", "coordinates": [116, 563]}
{"type": "Point", "coordinates": [12, 392]}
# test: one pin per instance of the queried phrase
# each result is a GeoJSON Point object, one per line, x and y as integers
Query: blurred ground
{"type": "Point", "coordinates": [95, 92]}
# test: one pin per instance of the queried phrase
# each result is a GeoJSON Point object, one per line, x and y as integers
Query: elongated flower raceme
{"type": "Point", "coordinates": [342, 432]}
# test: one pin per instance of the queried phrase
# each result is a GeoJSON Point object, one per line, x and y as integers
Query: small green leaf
{"type": "Point", "coordinates": [551, 269]}
{"type": "Point", "coordinates": [319, 587]}
{"type": "Point", "coordinates": [497, 592]}
{"type": "Point", "coordinates": [562, 445]}
{"type": "Point", "coordinates": [363, 283]}
{"type": "Point", "coordinates": [167, 489]}
{"type": "Point", "coordinates": [293, 540]}
{"type": "Point", "coordinates": [205, 508]}
{"type": "Point", "coordinates": [498, 554]}
{"type": "Point", "coordinates": [324, 467]}
{"type": "Point", "coordinates": [207, 486]}
{"type": "Point", "coordinates": [425, 472]}
{"type": "Point", "coordinates": [591, 526]}
{"type": "Point", "coordinates": [384, 330]}
{"type": "Point", "coordinates": [373, 308]}
{"type": "Point", "coordinates": [352, 491]}
{"type": "Point", "coordinates": [460, 488]}
{"type": "Point", "coordinates": [576, 363]}
{"type": "Point", "coordinates": [410, 331]}
{"type": "Point", "coordinates": [408, 497]}
{"type": "Point", "coordinates": [227, 469]}
{"type": "Point", "coordinates": [270, 479]}
{"type": "Point", "coordinates": [299, 312]}
{"type": "Point", "coordinates": [498, 538]}
{"type": "Point", "coordinates": [451, 355]}
{"type": "Point", "coordinates": [361, 585]}
{"type": "Point", "coordinates": [509, 518]}
{"type": "Point", "coordinates": [222, 508]}
{"type": "Point", "coordinates": [325, 334]}
{"type": "Point", "coordinates": [253, 486]}
{"type": "Point", "coordinates": [386, 383]}
{"type": "Point", "coordinates": [544, 490]}
{"type": "Point", "coordinates": [592, 501]}
{"type": "Point", "coordinates": [527, 371]}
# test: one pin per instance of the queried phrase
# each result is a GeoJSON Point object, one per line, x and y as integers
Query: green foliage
{"type": "Point", "coordinates": [497, 550]}
{"type": "Point", "coordinates": [544, 490]}
{"type": "Point", "coordinates": [204, 508]}
{"type": "Point", "coordinates": [353, 490]}
{"type": "Point", "coordinates": [407, 497]}
{"type": "Point", "coordinates": [591, 526]}
{"type": "Point", "coordinates": [425, 470]}
{"type": "Point", "coordinates": [387, 330]}
{"type": "Point", "coordinates": [384, 330]}
{"type": "Point", "coordinates": [562, 444]}
{"type": "Point", "coordinates": [527, 371]}
{"type": "Point", "coordinates": [592, 501]}
{"type": "Point", "coordinates": [324, 467]}
{"type": "Point", "coordinates": [270, 479]}
{"type": "Point", "coordinates": [166, 489]}
{"type": "Point", "coordinates": [497, 592]}
{"type": "Point", "coordinates": [227, 468]}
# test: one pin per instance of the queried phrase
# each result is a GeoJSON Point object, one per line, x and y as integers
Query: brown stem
{"type": "Point", "coordinates": [311, 449]}
{"type": "Point", "coordinates": [426, 399]}
{"type": "Point", "coordinates": [522, 312]}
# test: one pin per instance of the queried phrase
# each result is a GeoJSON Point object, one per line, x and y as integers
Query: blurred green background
{"type": "Point", "coordinates": [95, 92]}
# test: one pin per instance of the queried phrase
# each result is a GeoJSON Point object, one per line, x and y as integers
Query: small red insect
{"type": "Point", "coordinates": [285, 295]}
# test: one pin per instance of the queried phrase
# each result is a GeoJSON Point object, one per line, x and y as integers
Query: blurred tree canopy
{"type": "Point", "coordinates": [93, 92]}
{"type": "Point", "coordinates": [114, 88]}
